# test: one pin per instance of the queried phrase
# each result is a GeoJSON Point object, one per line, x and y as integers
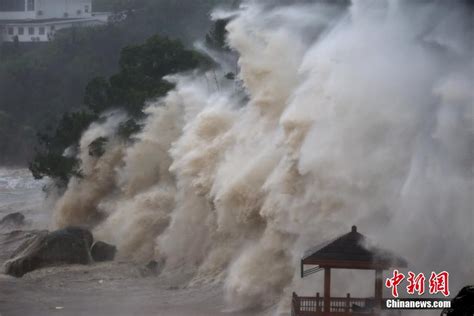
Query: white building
{"type": "Point", "coordinates": [38, 20]}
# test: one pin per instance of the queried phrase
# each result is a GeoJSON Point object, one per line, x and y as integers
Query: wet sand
{"type": "Point", "coordinates": [106, 289]}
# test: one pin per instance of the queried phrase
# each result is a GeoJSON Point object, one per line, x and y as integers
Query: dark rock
{"type": "Point", "coordinates": [13, 219]}
{"type": "Point", "coordinates": [11, 241]}
{"type": "Point", "coordinates": [102, 251]}
{"type": "Point", "coordinates": [153, 268]}
{"type": "Point", "coordinates": [77, 232]}
{"type": "Point", "coordinates": [462, 304]}
{"type": "Point", "coordinates": [66, 246]}
{"type": "Point", "coordinates": [152, 265]}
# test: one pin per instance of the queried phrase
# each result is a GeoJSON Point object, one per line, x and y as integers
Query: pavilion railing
{"type": "Point", "coordinates": [314, 305]}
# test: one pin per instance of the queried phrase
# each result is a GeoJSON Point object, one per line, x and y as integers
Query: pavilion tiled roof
{"type": "Point", "coordinates": [352, 251]}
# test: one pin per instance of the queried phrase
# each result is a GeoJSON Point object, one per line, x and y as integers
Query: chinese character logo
{"type": "Point", "coordinates": [394, 282]}
{"type": "Point", "coordinates": [438, 283]}
{"type": "Point", "coordinates": [416, 283]}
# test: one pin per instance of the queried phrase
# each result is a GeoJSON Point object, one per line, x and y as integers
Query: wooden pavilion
{"type": "Point", "coordinates": [349, 251]}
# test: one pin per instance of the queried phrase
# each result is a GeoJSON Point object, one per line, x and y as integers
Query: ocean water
{"type": "Point", "coordinates": [20, 192]}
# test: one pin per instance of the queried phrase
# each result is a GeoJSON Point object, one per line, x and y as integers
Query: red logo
{"type": "Point", "coordinates": [438, 283]}
{"type": "Point", "coordinates": [394, 282]}
{"type": "Point", "coordinates": [416, 283]}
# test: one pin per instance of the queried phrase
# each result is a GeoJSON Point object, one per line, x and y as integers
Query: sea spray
{"type": "Point", "coordinates": [79, 204]}
{"type": "Point", "coordinates": [360, 116]}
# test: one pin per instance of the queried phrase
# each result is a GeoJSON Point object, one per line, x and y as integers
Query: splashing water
{"type": "Point", "coordinates": [361, 116]}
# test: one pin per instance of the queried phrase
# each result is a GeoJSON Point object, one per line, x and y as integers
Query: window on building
{"type": "Point", "coordinates": [41, 30]}
{"type": "Point", "coordinates": [12, 5]}
{"type": "Point", "coordinates": [11, 31]}
{"type": "Point", "coordinates": [30, 5]}
{"type": "Point", "coordinates": [86, 8]}
{"type": "Point", "coordinates": [78, 12]}
{"type": "Point", "coordinates": [21, 30]}
{"type": "Point", "coordinates": [31, 31]}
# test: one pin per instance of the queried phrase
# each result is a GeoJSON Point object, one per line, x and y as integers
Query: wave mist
{"type": "Point", "coordinates": [340, 116]}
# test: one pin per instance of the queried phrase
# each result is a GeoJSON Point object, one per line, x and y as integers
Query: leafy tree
{"type": "Point", "coordinates": [96, 95]}
{"type": "Point", "coordinates": [128, 128]}
{"type": "Point", "coordinates": [97, 147]}
{"type": "Point", "coordinates": [57, 167]}
{"type": "Point", "coordinates": [51, 159]}
{"type": "Point", "coordinates": [142, 68]}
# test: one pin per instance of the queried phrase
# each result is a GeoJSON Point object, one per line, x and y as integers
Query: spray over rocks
{"type": "Point", "coordinates": [360, 115]}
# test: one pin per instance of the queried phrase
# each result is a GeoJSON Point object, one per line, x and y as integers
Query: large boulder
{"type": "Point", "coordinates": [102, 251]}
{"type": "Point", "coordinates": [11, 240]}
{"type": "Point", "coordinates": [13, 219]}
{"type": "Point", "coordinates": [66, 246]}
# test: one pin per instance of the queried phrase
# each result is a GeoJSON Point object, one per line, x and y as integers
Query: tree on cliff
{"type": "Point", "coordinates": [140, 77]}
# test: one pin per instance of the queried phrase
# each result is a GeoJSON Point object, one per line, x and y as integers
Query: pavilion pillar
{"type": "Point", "coordinates": [378, 288]}
{"type": "Point", "coordinates": [327, 290]}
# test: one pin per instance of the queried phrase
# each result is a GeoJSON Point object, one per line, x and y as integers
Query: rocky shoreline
{"type": "Point", "coordinates": [97, 286]}
{"type": "Point", "coordinates": [66, 271]}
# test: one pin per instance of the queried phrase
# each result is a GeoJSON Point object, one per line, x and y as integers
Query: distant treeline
{"type": "Point", "coordinates": [41, 82]}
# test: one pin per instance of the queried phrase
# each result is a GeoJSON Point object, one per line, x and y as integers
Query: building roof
{"type": "Point", "coordinates": [351, 251]}
{"type": "Point", "coordinates": [47, 21]}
